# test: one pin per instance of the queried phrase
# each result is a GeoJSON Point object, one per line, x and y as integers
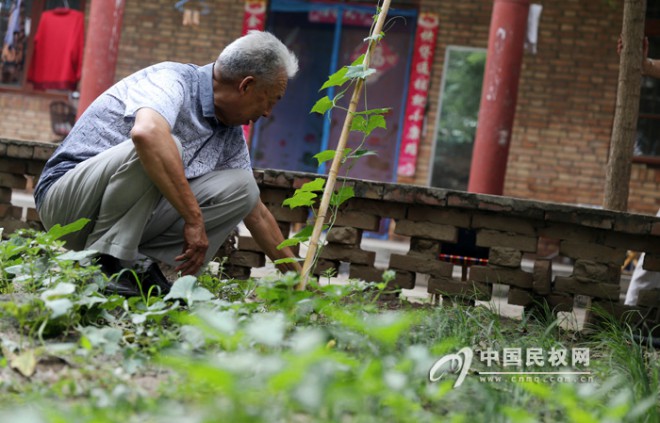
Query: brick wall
{"type": "Point", "coordinates": [565, 107]}
{"type": "Point", "coordinates": [595, 242]}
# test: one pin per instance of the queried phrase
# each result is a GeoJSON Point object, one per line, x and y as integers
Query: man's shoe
{"type": "Point", "coordinates": [154, 277]}
{"type": "Point", "coordinates": [120, 281]}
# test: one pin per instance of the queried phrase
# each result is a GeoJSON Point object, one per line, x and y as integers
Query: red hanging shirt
{"type": "Point", "coordinates": [58, 50]}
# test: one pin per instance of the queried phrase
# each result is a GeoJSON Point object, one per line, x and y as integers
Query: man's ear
{"type": "Point", "coordinates": [246, 83]}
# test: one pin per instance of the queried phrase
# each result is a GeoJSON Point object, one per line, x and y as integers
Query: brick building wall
{"type": "Point", "coordinates": [566, 98]}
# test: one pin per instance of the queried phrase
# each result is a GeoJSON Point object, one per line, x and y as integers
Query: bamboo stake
{"type": "Point", "coordinates": [339, 152]}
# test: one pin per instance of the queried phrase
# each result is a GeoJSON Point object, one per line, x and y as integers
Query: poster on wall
{"type": "Point", "coordinates": [420, 78]}
{"type": "Point", "coordinates": [254, 17]}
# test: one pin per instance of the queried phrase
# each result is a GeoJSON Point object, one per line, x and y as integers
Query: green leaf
{"type": "Point", "coordinates": [77, 255]}
{"type": "Point", "coordinates": [300, 199]}
{"type": "Point", "coordinates": [375, 37]}
{"type": "Point", "coordinates": [359, 72]}
{"type": "Point", "coordinates": [184, 288]}
{"type": "Point", "coordinates": [267, 328]}
{"type": "Point", "coordinates": [339, 78]}
{"type": "Point", "coordinates": [62, 288]}
{"type": "Point", "coordinates": [376, 121]}
{"type": "Point", "coordinates": [290, 242]}
{"type": "Point", "coordinates": [25, 362]}
{"type": "Point", "coordinates": [361, 153]}
{"type": "Point", "coordinates": [326, 155]}
{"type": "Point", "coordinates": [301, 236]}
{"type": "Point", "coordinates": [380, 111]}
{"type": "Point", "coordinates": [59, 307]}
{"type": "Point", "coordinates": [58, 231]}
{"type": "Point", "coordinates": [322, 105]}
{"type": "Point", "coordinates": [315, 185]}
{"type": "Point", "coordinates": [287, 260]}
{"type": "Point", "coordinates": [359, 124]}
{"type": "Point", "coordinates": [341, 196]}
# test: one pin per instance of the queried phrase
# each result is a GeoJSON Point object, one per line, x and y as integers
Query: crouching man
{"type": "Point", "coordinates": [160, 166]}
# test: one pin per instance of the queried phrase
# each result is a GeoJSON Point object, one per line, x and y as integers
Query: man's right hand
{"type": "Point", "coordinates": [195, 245]}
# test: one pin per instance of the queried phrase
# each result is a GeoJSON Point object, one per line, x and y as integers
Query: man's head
{"type": "Point", "coordinates": [250, 76]}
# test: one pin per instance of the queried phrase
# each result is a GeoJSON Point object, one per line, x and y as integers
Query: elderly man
{"type": "Point", "coordinates": [159, 164]}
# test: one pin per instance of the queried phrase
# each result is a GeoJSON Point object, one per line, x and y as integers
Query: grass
{"type": "Point", "coordinates": [260, 351]}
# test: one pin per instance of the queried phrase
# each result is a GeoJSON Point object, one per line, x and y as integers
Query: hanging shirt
{"type": "Point", "coordinates": [58, 50]}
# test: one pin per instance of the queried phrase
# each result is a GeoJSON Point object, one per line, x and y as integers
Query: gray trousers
{"type": "Point", "coordinates": [128, 214]}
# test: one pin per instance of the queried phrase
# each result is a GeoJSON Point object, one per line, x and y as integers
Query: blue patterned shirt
{"type": "Point", "coordinates": [182, 94]}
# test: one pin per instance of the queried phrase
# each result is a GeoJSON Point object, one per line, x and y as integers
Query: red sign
{"type": "Point", "coordinates": [349, 17]}
{"type": "Point", "coordinates": [253, 18]}
{"type": "Point", "coordinates": [420, 78]}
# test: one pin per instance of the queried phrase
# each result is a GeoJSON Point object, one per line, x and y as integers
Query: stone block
{"type": "Point", "coordinates": [403, 279]}
{"type": "Point", "coordinates": [421, 264]}
{"type": "Point", "coordinates": [560, 302]}
{"type": "Point", "coordinates": [42, 153]}
{"type": "Point", "coordinates": [431, 196]}
{"type": "Point", "coordinates": [465, 289]}
{"type": "Point", "coordinates": [516, 225]}
{"type": "Point", "coordinates": [592, 251]}
{"type": "Point", "coordinates": [491, 238]}
{"type": "Point", "coordinates": [572, 285]}
{"type": "Point", "coordinates": [649, 297]}
{"type": "Point", "coordinates": [347, 254]}
{"type": "Point", "coordinates": [377, 208]}
{"type": "Point", "coordinates": [652, 262]}
{"type": "Point", "coordinates": [425, 247]}
{"type": "Point", "coordinates": [520, 297]}
{"type": "Point", "coordinates": [589, 271]}
{"type": "Point", "coordinates": [20, 151]}
{"type": "Point", "coordinates": [511, 277]}
{"type": "Point", "coordinates": [592, 218]}
{"type": "Point", "coordinates": [15, 166]}
{"type": "Point", "coordinates": [647, 243]}
{"type": "Point", "coordinates": [247, 243]}
{"type": "Point", "coordinates": [505, 257]}
{"type": "Point", "coordinates": [247, 259]}
{"type": "Point", "coordinates": [437, 215]}
{"type": "Point", "coordinates": [274, 196]}
{"type": "Point", "coordinates": [286, 214]}
{"type": "Point", "coordinates": [426, 230]}
{"type": "Point", "coordinates": [575, 233]}
{"type": "Point", "coordinates": [35, 168]}
{"type": "Point", "coordinates": [343, 235]}
{"type": "Point", "coordinates": [237, 272]}
{"type": "Point", "coordinates": [32, 215]}
{"type": "Point", "coordinates": [5, 195]}
{"type": "Point", "coordinates": [367, 189]}
{"type": "Point", "coordinates": [11, 180]}
{"type": "Point", "coordinates": [542, 276]}
{"type": "Point", "coordinates": [358, 220]}
{"type": "Point", "coordinates": [400, 193]}
{"type": "Point", "coordinates": [277, 179]}
{"type": "Point", "coordinates": [324, 266]}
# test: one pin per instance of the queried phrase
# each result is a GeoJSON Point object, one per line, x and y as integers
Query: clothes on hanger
{"type": "Point", "coordinates": [58, 50]}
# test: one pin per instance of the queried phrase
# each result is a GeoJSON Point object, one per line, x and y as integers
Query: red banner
{"type": "Point", "coordinates": [420, 79]}
{"type": "Point", "coordinates": [253, 18]}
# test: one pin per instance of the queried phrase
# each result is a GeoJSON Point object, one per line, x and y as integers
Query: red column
{"type": "Point", "coordinates": [498, 96]}
{"type": "Point", "coordinates": [101, 46]}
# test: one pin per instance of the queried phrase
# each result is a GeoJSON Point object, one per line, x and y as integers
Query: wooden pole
{"type": "Point", "coordinates": [339, 152]}
{"type": "Point", "coordinates": [624, 129]}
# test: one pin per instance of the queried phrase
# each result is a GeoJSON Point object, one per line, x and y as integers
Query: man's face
{"type": "Point", "coordinates": [257, 99]}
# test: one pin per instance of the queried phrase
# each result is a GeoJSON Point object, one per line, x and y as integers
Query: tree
{"type": "Point", "coordinates": [627, 107]}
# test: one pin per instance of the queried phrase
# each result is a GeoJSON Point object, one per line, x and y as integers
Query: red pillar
{"type": "Point", "coordinates": [101, 46]}
{"type": "Point", "coordinates": [498, 97]}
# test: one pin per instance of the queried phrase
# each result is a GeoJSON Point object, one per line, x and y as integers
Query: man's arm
{"type": "Point", "coordinates": [263, 227]}
{"type": "Point", "coordinates": [160, 157]}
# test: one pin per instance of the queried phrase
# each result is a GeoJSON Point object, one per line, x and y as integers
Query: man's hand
{"type": "Point", "coordinates": [195, 244]}
{"type": "Point", "coordinates": [263, 227]}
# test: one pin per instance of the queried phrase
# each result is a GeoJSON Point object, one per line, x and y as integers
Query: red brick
{"type": "Point", "coordinates": [426, 230]}
{"type": "Point", "coordinates": [466, 289]}
{"type": "Point", "coordinates": [511, 277]}
{"type": "Point", "coordinates": [421, 264]}
{"type": "Point", "coordinates": [490, 238]}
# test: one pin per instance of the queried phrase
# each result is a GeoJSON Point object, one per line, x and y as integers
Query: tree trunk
{"type": "Point", "coordinates": [627, 107]}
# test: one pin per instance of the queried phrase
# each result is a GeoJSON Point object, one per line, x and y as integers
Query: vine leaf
{"type": "Point", "coordinates": [300, 199]}
{"type": "Point", "coordinates": [326, 155]}
{"type": "Point", "coordinates": [58, 231]}
{"type": "Point", "coordinates": [359, 72]}
{"type": "Point", "coordinates": [322, 105]}
{"type": "Point", "coordinates": [341, 76]}
{"type": "Point", "coordinates": [368, 124]}
{"type": "Point", "coordinates": [301, 236]}
{"type": "Point", "coordinates": [339, 197]}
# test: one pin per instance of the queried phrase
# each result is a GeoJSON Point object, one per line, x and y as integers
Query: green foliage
{"type": "Point", "coordinates": [259, 350]}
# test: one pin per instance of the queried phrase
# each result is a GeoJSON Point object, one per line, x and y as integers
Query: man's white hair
{"type": "Point", "coordinates": [259, 54]}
